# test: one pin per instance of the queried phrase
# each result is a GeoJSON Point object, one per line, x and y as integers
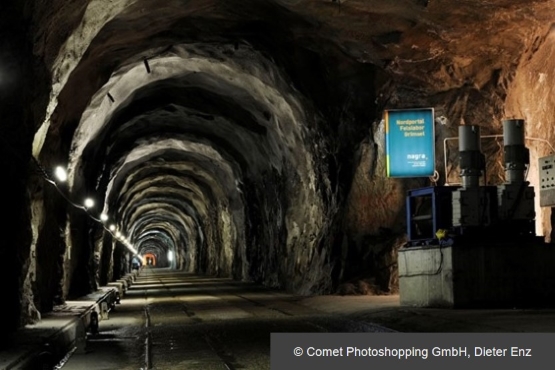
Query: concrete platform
{"type": "Point", "coordinates": [478, 274]}
{"type": "Point", "coordinates": [60, 332]}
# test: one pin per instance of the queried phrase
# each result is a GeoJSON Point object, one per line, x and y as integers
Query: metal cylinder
{"type": "Point", "coordinates": [516, 154]}
{"type": "Point", "coordinates": [469, 138]}
{"type": "Point", "coordinates": [513, 132]}
{"type": "Point", "coordinates": [470, 157]}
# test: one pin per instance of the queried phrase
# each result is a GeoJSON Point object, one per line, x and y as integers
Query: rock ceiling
{"type": "Point", "coordinates": [245, 136]}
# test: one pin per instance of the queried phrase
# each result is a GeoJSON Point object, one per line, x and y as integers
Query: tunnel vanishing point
{"type": "Point", "coordinates": [243, 139]}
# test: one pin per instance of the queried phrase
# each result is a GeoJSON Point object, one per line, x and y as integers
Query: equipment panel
{"type": "Point", "coordinates": [547, 181]}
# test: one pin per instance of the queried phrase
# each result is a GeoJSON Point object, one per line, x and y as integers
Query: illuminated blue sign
{"type": "Point", "coordinates": [410, 142]}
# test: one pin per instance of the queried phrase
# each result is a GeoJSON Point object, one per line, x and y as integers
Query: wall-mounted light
{"type": "Point", "coordinates": [61, 174]}
{"type": "Point", "coordinates": [118, 235]}
{"type": "Point", "coordinates": [170, 256]}
{"type": "Point", "coordinates": [89, 203]}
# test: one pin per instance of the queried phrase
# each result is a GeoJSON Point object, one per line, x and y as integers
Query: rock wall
{"type": "Point", "coordinates": [23, 85]}
{"type": "Point", "coordinates": [245, 137]}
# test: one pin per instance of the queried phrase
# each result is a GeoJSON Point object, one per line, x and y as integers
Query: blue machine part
{"type": "Point", "coordinates": [428, 210]}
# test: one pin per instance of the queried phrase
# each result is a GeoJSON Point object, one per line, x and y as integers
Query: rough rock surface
{"type": "Point", "coordinates": [244, 137]}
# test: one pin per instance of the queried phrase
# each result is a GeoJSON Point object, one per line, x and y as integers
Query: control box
{"type": "Point", "coordinates": [547, 181]}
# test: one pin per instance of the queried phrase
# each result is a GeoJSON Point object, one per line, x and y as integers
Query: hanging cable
{"type": "Point", "coordinates": [48, 179]}
{"type": "Point", "coordinates": [44, 174]}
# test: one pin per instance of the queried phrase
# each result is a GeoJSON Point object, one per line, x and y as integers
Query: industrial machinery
{"type": "Point", "coordinates": [473, 210]}
{"type": "Point", "coordinates": [428, 210]}
{"type": "Point", "coordinates": [473, 205]}
{"type": "Point", "coordinates": [516, 197]}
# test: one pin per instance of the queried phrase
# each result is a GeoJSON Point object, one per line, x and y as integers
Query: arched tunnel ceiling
{"type": "Point", "coordinates": [199, 119]}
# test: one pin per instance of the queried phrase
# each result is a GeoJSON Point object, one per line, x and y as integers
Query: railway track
{"type": "Point", "coordinates": [201, 323]}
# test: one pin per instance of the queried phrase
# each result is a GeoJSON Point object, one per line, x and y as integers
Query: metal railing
{"type": "Point", "coordinates": [447, 183]}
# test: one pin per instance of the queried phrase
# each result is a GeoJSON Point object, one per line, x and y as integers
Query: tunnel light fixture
{"type": "Point", "coordinates": [61, 174]}
{"type": "Point", "coordinates": [170, 256]}
{"type": "Point", "coordinates": [89, 203]}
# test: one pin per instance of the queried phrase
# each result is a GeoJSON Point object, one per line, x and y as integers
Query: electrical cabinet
{"type": "Point", "coordinates": [547, 181]}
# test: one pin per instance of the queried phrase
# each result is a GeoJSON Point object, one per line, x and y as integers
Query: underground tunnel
{"type": "Point", "coordinates": [246, 140]}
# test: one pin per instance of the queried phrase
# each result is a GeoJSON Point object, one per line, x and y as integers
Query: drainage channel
{"type": "Point", "coordinates": [226, 356]}
{"type": "Point", "coordinates": [148, 336]}
{"type": "Point", "coordinates": [148, 340]}
{"type": "Point", "coordinates": [64, 360]}
{"type": "Point", "coordinates": [260, 304]}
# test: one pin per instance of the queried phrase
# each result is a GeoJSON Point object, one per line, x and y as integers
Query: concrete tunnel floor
{"type": "Point", "coordinates": [175, 320]}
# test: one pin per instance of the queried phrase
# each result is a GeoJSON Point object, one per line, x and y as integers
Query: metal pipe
{"type": "Point", "coordinates": [513, 132]}
{"type": "Point", "coordinates": [452, 138]}
{"type": "Point", "coordinates": [469, 138]}
{"type": "Point", "coordinates": [471, 159]}
{"type": "Point", "coordinates": [517, 156]}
